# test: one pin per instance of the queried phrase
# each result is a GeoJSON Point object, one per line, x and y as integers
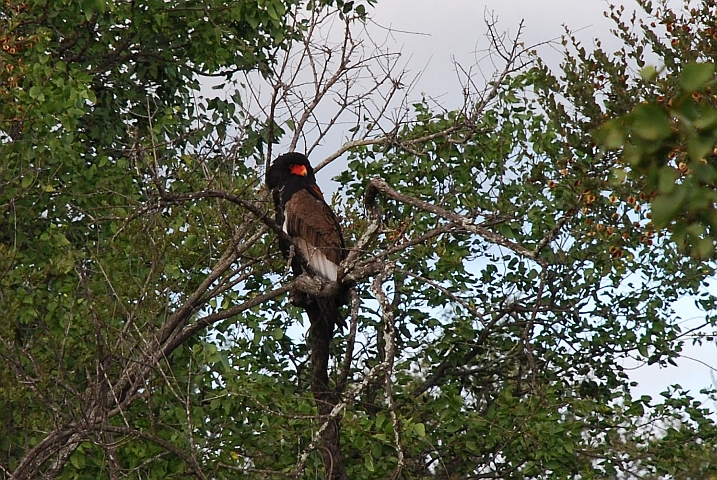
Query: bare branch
{"type": "Point", "coordinates": [379, 185]}
{"type": "Point", "coordinates": [389, 328]}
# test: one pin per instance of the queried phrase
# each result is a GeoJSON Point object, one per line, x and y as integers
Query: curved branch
{"type": "Point", "coordinates": [379, 185]}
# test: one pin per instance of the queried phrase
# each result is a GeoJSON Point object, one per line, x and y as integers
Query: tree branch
{"type": "Point", "coordinates": [379, 185]}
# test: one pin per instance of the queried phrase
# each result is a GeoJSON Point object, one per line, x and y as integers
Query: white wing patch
{"type": "Point", "coordinates": [318, 261]}
{"type": "Point", "coordinates": [314, 255]}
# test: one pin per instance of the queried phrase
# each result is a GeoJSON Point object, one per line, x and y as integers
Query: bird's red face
{"type": "Point", "coordinates": [298, 169]}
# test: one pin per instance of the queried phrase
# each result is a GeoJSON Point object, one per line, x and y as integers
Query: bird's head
{"type": "Point", "coordinates": [290, 167]}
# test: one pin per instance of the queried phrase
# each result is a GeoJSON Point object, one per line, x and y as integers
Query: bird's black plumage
{"type": "Point", "coordinates": [312, 226]}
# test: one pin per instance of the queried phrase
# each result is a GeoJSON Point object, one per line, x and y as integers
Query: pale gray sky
{"type": "Point", "coordinates": [434, 33]}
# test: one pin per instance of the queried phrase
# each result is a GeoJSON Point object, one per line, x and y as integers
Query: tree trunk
{"type": "Point", "coordinates": [320, 336]}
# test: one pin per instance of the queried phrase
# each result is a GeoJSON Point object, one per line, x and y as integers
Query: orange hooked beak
{"type": "Point", "coordinates": [298, 170]}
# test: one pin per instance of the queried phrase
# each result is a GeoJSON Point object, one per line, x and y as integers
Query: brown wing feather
{"type": "Point", "coordinates": [310, 219]}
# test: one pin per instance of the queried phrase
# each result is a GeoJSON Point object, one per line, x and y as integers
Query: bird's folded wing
{"type": "Point", "coordinates": [316, 231]}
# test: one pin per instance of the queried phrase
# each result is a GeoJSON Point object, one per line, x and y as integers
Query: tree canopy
{"type": "Point", "coordinates": [508, 257]}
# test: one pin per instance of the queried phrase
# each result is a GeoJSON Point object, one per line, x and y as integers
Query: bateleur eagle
{"type": "Point", "coordinates": [312, 226]}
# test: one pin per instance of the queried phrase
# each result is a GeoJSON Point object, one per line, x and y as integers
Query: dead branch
{"type": "Point", "coordinates": [379, 185]}
{"type": "Point", "coordinates": [390, 353]}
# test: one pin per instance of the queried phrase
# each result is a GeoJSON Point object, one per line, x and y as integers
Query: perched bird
{"type": "Point", "coordinates": [313, 228]}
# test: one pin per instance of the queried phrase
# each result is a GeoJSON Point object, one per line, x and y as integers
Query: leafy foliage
{"type": "Point", "coordinates": [515, 266]}
{"type": "Point", "coordinates": [670, 136]}
{"type": "Point", "coordinates": [98, 120]}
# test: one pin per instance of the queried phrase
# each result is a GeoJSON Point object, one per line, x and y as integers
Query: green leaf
{"type": "Point", "coordinates": [695, 76]}
{"type": "Point", "coordinates": [271, 10]}
{"type": "Point", "coordinates": [651, 122]}
{"type": "Point", "coordinates": [617, 176]}
{"type": "Point", "coordinates": [698, 146]}
{"type": "Point", "coordinates": [190, 240]}
{"type": "Point", "coordinates": [368, 463]}
{"type": "Point", "coordinates": [704, 247]}
{"type": "Point", "coordinates": [611, 135]}
{"type": "Point", "coordinates": [649, 73]}
{"type": "Point", "coordinates": [707, 119]}
{"type": "Point", "coordinates": [666, 179]}
{"type": "Point", "coordinates": [225, 361]}
{"type": "Point", "coordinates": [665, 207]}
{"type": "Point", "coordinates": [505, 230]}
{"type": "Point", "coordinates": [78, 459]}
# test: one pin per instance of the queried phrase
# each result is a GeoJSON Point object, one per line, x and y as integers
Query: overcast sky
{"type": "Point", "coordinates": [431, 34]}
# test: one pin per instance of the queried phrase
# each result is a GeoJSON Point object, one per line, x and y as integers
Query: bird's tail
{"type": "Point", "coordinates": [324, 313]}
